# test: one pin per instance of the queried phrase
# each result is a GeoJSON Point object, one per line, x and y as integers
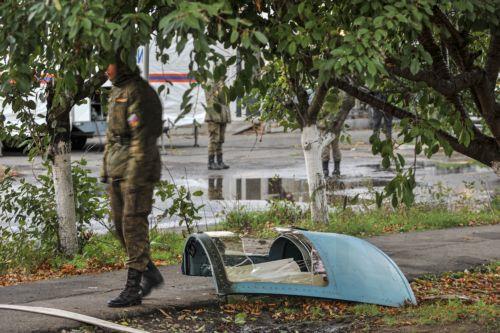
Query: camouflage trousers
{"type": "Point", "coordinates": [216, 136]}
{"type": "Point", "coordinates": [377, 123]}
{"type": "Point", "coordinates": [334, 147]}
{"type": "Point", "coordinates": [130, 208]}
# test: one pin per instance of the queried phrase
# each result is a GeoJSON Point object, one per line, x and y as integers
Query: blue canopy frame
{"type": "Point", "coordinates": [356, 270]}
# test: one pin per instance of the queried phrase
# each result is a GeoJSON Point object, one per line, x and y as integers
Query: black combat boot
{"type": "Point", "coordinates": [221, 163]}
{"type": "Point", "coordinates": [325, 168]}
{"type": "Point", "coordinates": [336, 168]}
{"type": "Point", "coordinates": [132, 293]}
{"type": "Point", "coordinates": [211, 163]}
{"type": "Point", "coordinates": [151, 279]}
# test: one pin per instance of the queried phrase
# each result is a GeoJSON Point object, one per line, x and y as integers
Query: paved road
{"type": "Point", "coordinates": [417, 254]}
{"type": "Point", "coordinates": [255, 163]}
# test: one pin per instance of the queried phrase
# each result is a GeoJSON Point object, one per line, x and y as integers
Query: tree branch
{"type": "Point", "coordinates": [457, 46]}
{"type": "Point", "coordinates": [457, 43]}
{"type": "Point", "coordinates": [493, 59]}
{"type": "Point", "coordinates": [317, 103]}
{"type": "Point", "coordinates": [448, 87]}
{"type": "Point", "coordinates": [483, 149]}
{"type": "Point", "coordinates": [326, 139]}
{"type": "Point", "coordinates": [87, 88]}
{"type": "Point", "coordinates": [440, 67]}
{"type": "Point", "coordinates": [345, 108]}
{"type": "Point", "coordinates": [333, 131]}
{"type": "Point", "coordinates": [440, 18]}
{"type": "Point", "coordinates": [301, 105]}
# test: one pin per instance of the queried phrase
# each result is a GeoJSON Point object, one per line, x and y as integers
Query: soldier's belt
{"type": "Point", "coordinates": [122, 140]}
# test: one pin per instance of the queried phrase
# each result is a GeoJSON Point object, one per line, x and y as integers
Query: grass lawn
{"type": "Point", "coordinates": [101, 253]}
{"type": "Point", "coordinates": [361, 224]}
{"type": "Point", "coordinates": [104, 253]}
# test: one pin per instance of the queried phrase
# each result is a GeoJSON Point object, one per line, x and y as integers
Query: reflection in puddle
{"type": "Point", "coordinates": [280, 188]}
{"type": "Point", "coordinates": [257, 189]}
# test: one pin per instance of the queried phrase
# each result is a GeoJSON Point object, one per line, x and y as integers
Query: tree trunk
{"type": "Point", "coordinates": [64, 197]}
{"type": "Point", "coordinates": [311, 147]}
{"type": "Point", "coordinates": [60, 155]}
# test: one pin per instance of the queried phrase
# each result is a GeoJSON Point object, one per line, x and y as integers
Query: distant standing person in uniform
{"type": "Point", "coordinates": [217, 117]}
{"type": "Point", "coordinates": [331, 120]}
{"type": "Point", "coordinates": [378, 115]}
{"type": "Point", "coordinates": [2, 120]}
{"type": "Point", "coordinates": [132, 166]}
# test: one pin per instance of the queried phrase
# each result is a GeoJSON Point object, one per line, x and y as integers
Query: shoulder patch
{"type": "Point", "coordinates": [133, 120]}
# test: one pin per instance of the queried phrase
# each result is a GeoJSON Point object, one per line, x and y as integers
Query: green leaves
{"type": "Point", "coordinates": [234, 36]}
{"type": "Point", "coordinates": [261, 37]}
{"type": "Point", "coordinates": [414, 66]}
{"type": "Point", "coordinates": [240, 318]}
{"type": "Point", "coordinates": [371, 68]}
{"type": "Point", "coordinates": [57, 4]}
{"type": "Point", "coordinates": [181, 203]}
{"type": "Point", "coordinates": [29, 208]}
{"type": "Point", "coordinates": [87, 25]}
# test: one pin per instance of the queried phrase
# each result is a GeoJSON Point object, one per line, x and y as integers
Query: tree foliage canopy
{"type": "Point", "coordinates": [436, 63]}
{"type": "Point", "coordinates": [64, 46]}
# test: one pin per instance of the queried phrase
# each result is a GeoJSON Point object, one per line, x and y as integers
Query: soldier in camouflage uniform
{"type": "Point", "coordinates": [334, 148]}
{"type": "Point", "coordinates": [2, 119]}
{"type": "Point", "coordinates": [217, 117]}
{"type": "Point", "coordinates": [326, 123]}
{"type": "Point", "coordinates": [131, 166]}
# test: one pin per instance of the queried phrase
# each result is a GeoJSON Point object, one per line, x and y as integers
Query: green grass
{"type": "Point", "coordinates": [458, 165]}
{"type": "Point", "coordinates": [105, 250]}
{"type": "Point", "coordinates": [446, 312]}
{"type": "Point", "coordinates": [362, 224]}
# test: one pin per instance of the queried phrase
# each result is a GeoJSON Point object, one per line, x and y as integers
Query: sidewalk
{"type": "Point", "coordinates": [417, 254]}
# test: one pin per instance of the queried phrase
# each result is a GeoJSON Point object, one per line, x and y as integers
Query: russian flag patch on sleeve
{"type": "Point", "coordinates": [133, 120]}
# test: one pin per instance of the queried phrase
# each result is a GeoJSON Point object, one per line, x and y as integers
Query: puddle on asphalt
{"type": "Point", "coordinates": [355, 183]}
{"type": "Point", "coordinates": [293, 189]}
{"type": "Point", "coordinates": [444, 168]}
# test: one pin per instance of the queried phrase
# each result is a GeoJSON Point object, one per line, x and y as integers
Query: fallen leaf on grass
{"type": "Point", "coordinates": [449, 298]}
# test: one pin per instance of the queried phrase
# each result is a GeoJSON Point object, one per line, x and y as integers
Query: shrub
{"type": "Point", "coordinates": [29, 227]}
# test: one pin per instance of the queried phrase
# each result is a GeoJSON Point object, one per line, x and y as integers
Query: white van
{"type": "Point", "coordinates": [88, 119]}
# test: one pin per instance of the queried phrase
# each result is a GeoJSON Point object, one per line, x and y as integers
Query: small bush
{"type": "Point", "coordinates": [279, 213]}
{"type": "Point", "coordinates": [357, 223]}
{"type": "Point", "coordinates": [29, 229]}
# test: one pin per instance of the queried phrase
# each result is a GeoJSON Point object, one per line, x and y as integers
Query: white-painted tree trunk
{"type": "Point", "coordinates": [312, 145]}
{"type": "Point", "coordinates": [65, 198]}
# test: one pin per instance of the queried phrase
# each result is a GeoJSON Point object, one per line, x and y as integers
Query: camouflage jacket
{"type": "Point", "coordinates": [134, 125]}
{"type": "Point", "coordinates": [328, 113]}
{"type": "Point", "coordinates": [217, 108]}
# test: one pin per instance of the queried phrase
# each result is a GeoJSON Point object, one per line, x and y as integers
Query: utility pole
{"type": "Point", "coordinates": [146, 62]}
{"type": "Point", "coordinates": [238, 70]}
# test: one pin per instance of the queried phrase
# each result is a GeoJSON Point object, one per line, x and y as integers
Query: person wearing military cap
{"type": "Point", "coordinates": [131, 167]}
